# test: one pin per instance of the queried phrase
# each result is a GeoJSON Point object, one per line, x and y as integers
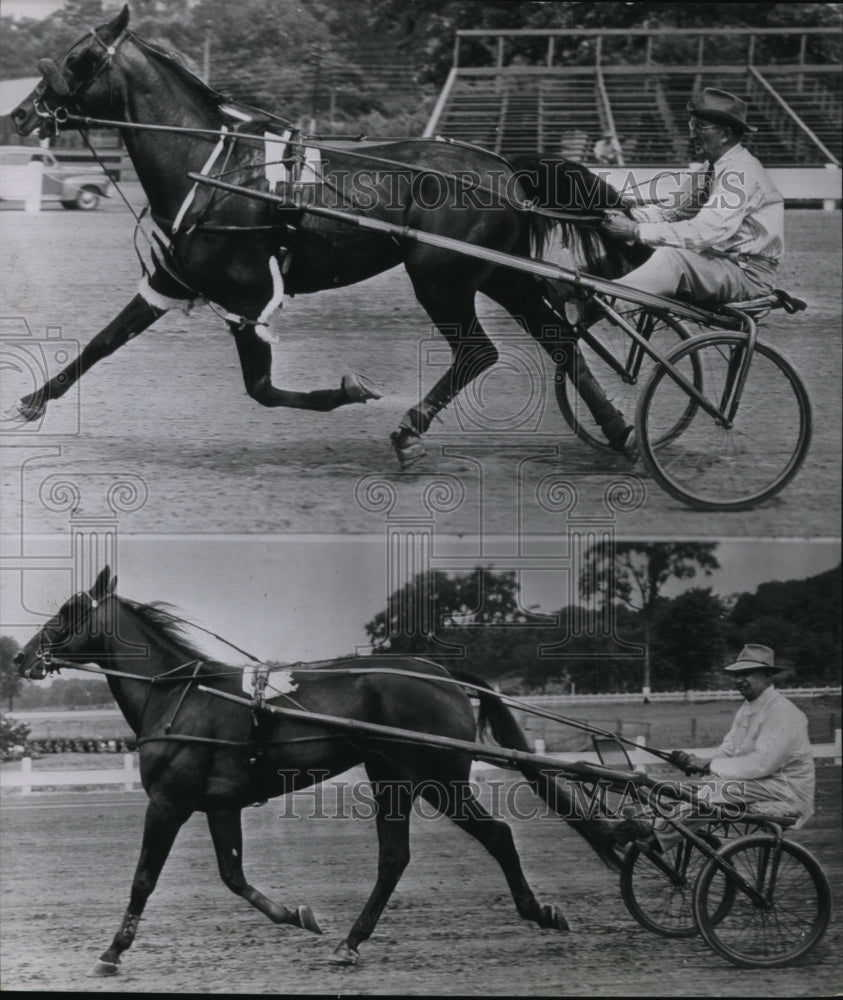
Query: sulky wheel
{"type": "Point", "coordinates": [658, 888]}
{"type": "Point", "coordinates": [717, 466]}
{"type": "Point", "coordinates": [786, 925]}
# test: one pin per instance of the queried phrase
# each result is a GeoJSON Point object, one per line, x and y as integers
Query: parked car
{"type": "Point", "coordinates": [65, 183]}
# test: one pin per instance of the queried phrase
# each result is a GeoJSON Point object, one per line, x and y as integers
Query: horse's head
{"type": "Point", "coordinates": [71, 636]}
{"type": "Point", "coordinates": [76, 82]}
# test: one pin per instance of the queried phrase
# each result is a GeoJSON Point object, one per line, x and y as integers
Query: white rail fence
{"type": "Point", "coordinates": [128, 776]}
{"type": "Point", "coordinates": [689, 696]}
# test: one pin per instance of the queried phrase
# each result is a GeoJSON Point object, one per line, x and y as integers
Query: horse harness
{"type": "Point", "coordinates": [164, 286]}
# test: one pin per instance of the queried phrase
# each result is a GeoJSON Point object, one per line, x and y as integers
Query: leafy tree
{"type": "Point", "coordinates": [14, 739]}
{"type": "Point", "coordinates": [472, 621]}
{"type": "Point", "coordinates": [800, 620]}
{"type": "Point", "coordinates": [591, 658]}
{"type": "Point", "coordinates": [475, 622]}
{"type": "Point", "coordinates": [634, 573]}
{"type": "Point", "coordinates": [688, 640]}
{"type": "Point", "coordinates": [10, 681]}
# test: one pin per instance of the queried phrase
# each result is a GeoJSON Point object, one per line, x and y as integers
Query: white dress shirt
{"type": "Point", "coordinates": [742, 218]}
{"type": "Point", "coordinates": [769, 741]}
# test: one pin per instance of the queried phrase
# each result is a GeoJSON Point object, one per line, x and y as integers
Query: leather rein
{"type": "Point", "coordinates": [62, 116]}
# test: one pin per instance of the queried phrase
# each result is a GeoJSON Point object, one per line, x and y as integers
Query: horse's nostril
{"type": "Point", "coordinates": [18, 660]}
{"type": "Point", "coordinates": [18, 115]}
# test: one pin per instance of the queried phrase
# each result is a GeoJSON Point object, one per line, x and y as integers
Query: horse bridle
{"type": "Point", "coordinates": [50, 69]}
{"type": "Point", "coordinates": [50, 662]}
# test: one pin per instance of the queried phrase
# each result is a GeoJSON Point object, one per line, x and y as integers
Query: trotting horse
{"type": "Point", "coordinates": [244, 255]}
{"type": "Point", "coordinates": [201, 753]}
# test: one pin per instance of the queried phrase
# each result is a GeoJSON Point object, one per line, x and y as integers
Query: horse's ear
{"type": "Point", "coordinates": [118, 25]}
{"type": "Point", "coordinates": [104, 584]}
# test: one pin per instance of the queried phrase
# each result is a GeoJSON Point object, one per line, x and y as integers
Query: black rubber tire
{"type": "Point", "coordinates": [87, 199]}
{"type": "Point", "coordinates": [764, 938]}
{"type": "Point", "coordinates": [710, 467]}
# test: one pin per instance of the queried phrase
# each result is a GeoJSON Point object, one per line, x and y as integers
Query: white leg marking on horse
{"type": "Point", "coordinates": [262, 326]}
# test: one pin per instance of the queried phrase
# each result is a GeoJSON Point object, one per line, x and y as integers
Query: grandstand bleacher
{"type": "Point", "coordinates": [516, 108]}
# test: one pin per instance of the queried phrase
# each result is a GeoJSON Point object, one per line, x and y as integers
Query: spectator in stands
{"type": "Point", "coordinates": [764, 763]}
{"type": "Point", "coordinates": [722, 236]}
{"type": "Point", "coordinates": [607, 149]}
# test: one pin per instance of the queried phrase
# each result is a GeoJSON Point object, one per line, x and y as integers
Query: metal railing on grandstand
{"type": "Point", "coordinates": [619, 97]}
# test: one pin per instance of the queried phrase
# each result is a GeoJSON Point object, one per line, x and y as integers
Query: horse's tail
{"type": "Point", "coordinates": [569, 187]}
{"type": "Point", "coordinates": [556, 792]}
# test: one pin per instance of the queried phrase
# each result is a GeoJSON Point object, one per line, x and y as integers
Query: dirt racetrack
{"type": "Point", "coordinates": [450, 929]}
{"type": "Point", "coordinates": [170, 412]}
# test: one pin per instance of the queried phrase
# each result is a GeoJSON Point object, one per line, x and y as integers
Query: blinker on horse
{"type": "Point", "coordinates": [203, 753]}
{"type": "Point", "coordinates": [244, 255]}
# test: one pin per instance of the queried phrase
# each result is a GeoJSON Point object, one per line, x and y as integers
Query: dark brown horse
{"type": "Point", "coordinates": [244, 255]}
{"type": "Point", "coordinates": [202, 753]}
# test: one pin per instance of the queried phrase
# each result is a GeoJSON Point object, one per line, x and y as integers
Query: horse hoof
{"type": "Point", "coordinates": [552, 919]}
{"type": "Point", "coordinates": [408, 446]}
{"type": "Point", "coordinates": [343, 955]}
{"type": "Point", "coordinates": [101, 969]}
{"type": "Point", "coordinates": [28, 411]}
{"type": "Point", "coordinates": [306, 919]}
{"type": "Point", "coordinates": [358, 388]}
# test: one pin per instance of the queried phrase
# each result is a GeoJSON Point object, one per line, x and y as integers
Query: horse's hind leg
{"type": "Point", "coordinates": [163, 821]}
{"type": "Point", "coordinates": [456, 799]}
{"type": "Point", "coordinates": [394, 801]}
{"type": "Point", "coordinates": [256, 364]}
{"type": "Point", "coordinates": [524, 298]}
{"type": "Point", "coordinates": [227, 836]}
{"type": "Point", "coordinates": [132, 320]}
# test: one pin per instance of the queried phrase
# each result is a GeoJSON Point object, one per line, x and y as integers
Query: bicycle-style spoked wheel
{"type": "Point", "coordinates": [622, 368]}
{"type": "Point", "coordinates": [658, 887]}
{"type": "Point", "coordinates": [731, 465]}
{"type": "Point", "coordinates": [795, 913]}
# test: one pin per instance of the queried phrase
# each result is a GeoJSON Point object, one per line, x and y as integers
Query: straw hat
{"type": "Point", "coordinates": [753, 657]}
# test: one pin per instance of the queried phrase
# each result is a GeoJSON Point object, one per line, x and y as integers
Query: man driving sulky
{"type": "Point", "coordinates": [721, 236]}
{"type": "Point", "coordinates": [763, 766]}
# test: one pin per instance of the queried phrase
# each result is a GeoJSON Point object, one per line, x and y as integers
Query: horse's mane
{"type": "Point", "coordinates": [159, 617]}
{"type": "Point", "coordinates": [176, 61]}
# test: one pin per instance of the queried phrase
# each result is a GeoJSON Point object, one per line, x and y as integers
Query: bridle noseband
{"type": "Point", "coordinates": [45, 657]}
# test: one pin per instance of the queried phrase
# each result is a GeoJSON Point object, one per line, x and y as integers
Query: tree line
{"type": "Point", "coordinates": [377, 65]}
{"type": "Point", "coordinates": [631, 638]}
{"type": "Point", "coordinates": [623, 634]}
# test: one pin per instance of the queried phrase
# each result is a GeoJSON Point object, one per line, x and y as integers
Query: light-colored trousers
{"type": "Point", "coordinates": [760, 796]}
{"type": "Point", "coordinates": [700, 277]}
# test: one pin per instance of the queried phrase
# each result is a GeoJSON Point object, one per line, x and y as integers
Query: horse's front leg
{"type": "Point", "coordinates": [451, 307]}
{"type": "Point", "coordinates": [227, 836]}
{"type": "Point", "coordinates": [132, 320]}
{"type": "Point", "coordinates": [256, 362]}
{"type": "Point", "coordinates": [164, 819]}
